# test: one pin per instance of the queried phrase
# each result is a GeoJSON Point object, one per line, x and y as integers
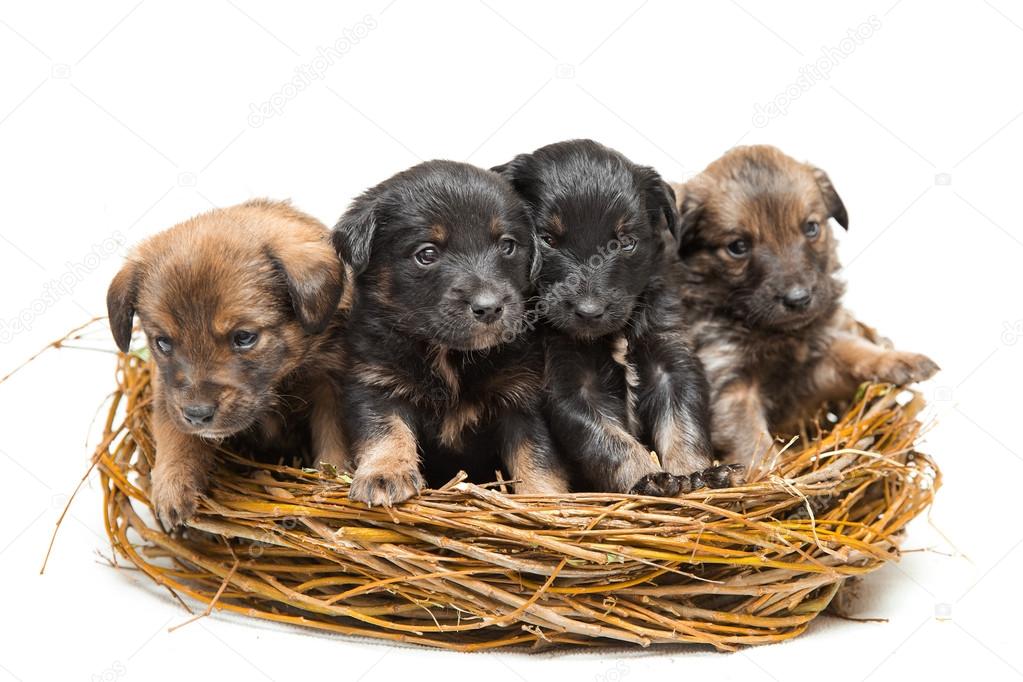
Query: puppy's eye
{"type": "Point", "coordinates": [508, 246]}
{"type": "Point", "coordinates": [628, 243]}
{"type": "Point", "coordinates": [811, 229]}
{"type": "Point", "coordinates": [163, 344]}
{"type": "Point", "coordinates": [739, 248]}
{"type": "Point", "coordinates": [428, 255]}
{"type": "Point", "coordinates": [548, 239]}
{"type": "Point", "coordinates": [244, 340]}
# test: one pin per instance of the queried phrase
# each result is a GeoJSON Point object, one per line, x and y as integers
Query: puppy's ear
{"type": "Point", "coordinates": [121, 301]}
{"type": "Point", "coordinates": [314, 276]}
{"type": "Point", "coordinates": [353, 235]}
{"type": "Point", "coordinates": [513, 168]}
{"type": "Point", "coordinates": [836, 208]}
{"type": "Point", "coordinates": [690, 213]}
{"type": "Point", "coordinates": [520, 173]}
{"type": "Point", "coordinates": [660, 199]}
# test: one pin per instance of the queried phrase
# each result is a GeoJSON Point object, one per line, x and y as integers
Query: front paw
{"type": "Point", "coordinates": [175, 496]}
{"type": "Point", "coordinates": [661, 484]}
{"type": "Point", "coordinates": [901, 368]}
{"type": "Point", "coordinates": [385, 488]}
{"type": "Point", "coordinates": [724, 476]}
{"type": "Point", "coordinates": [664, 484]}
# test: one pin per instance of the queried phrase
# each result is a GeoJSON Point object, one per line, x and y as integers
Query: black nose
{"type": "Point", "coordinates": [590, 309]}
{"type": "Point", "coordinates": [486, 307]}
{"type": "Point", "coordinates": [199, 413]}
{"type": "Point", "coordinates": [797, 298]}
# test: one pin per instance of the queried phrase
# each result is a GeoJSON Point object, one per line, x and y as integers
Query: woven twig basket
{"type": "Point", "coordinates": [470, 567]}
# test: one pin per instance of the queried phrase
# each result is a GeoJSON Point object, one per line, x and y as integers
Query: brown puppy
{"type": "Point", "coordinates": [760, 263]}
{"type": "Point", "coordinates": [240, 307]}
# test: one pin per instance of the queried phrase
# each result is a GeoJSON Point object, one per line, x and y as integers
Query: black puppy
{"type": "Point", "coordinates": [622, 380]}
{"type": "Point", "coordinates": [440, 370]}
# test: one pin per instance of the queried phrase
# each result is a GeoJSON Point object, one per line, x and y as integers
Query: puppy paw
{"type": "Point", "coordinates": [175, 496]}
{"type": "Point", "coordinates": [724, 476]}
{"type": "Point", "coordinates": [901, 368]}
{"type": "Point", "coordinates": [385, 488]}
{"type": "Point", "coordinates": [661, 484]}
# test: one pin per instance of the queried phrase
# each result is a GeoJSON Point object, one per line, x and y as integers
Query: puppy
{"type": "Point", "coordinates": [440, 367]}
{"type": "Point", "coordinates": [240, 307]}
{"type": "Point", "coordinates": [760, 262]}
{"type": "Point", "coordinates": [621, 377]}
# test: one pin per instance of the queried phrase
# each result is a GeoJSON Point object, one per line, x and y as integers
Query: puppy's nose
{"type": "Point", "coordinates": [797, 298]}
{"type": "Point", "coordinates": [486, 307]}
{"type": "Point", "coordinates": [199, 413]}
{"type": "Point", "coordinates": [590, 309]}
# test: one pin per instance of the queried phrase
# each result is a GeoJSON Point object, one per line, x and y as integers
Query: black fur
{"type": "Point", "coordinates": [608, 284]}
{"type": "Point", "coordinates": [418, 351]}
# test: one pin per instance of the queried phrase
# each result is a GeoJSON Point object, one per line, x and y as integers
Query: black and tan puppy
{"type": "Point", "coordinates": [240, 307]}
{"type": "Point", "coordinates": [760, 264]}
{"type": "Point", "coordinates": [621, 378]}
{"type": "Point", "coordinates": [440, 370]}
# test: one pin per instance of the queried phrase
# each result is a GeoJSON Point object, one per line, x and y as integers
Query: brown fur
{"type": "Point", "coordinates": [388, 465]}
{"type": "Point", "coordinates": [461, 418]}
{"type": "Point", "coordinates": [529, 478]}
{"type": "Point", "coordinates": [262, 267]}
{"type": "Point", "coordinates": [770, 363]}
{"type": "Point", "coordinates": [439, 234]}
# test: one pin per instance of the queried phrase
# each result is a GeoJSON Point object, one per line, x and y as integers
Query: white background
{"type": "Point", "coordinates": [120, 119]}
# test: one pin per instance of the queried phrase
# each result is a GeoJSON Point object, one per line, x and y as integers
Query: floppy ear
{"type": "Point", "coordinates": [836, 208]}
{"type": "Point", "coordinates": [520, 173]}
{"type": "Point", "coordinates": [353, 235]}
{"type": "Point", "coordinates": [121, 297]}
{"type": "Point", "coordinates": [690, 214]}
{"type": "Point", "coordinates": [660, 199]}
{"type": "Point", "coordinates": [313, 276]}
{"type": "Point", "coordinates": [513, 168]}
{"type": "Point", "coordinates": [505, 169]}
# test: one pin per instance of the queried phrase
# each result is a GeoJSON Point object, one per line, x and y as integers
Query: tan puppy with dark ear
{"type": "Point", "coordinates": [242, 312]}
{"type": "Point", "coordinates": [765, 303]}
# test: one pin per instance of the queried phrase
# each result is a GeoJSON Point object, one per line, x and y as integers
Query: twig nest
{"type": "Point", "coordinates": [470, 567]}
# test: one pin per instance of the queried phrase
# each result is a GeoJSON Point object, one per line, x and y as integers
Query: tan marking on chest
{"type": "Point", "coordinates": [513, 388]}
{"type": "Point", "coordinates": [620, 354]}
{"type": "Point", "coordinates": [441, 363]}
{"type": "Point", "coordinates": [457, 420]}
{"type": "Point", "coordinates": [801, 353]}
{"type": "Point", "coordinates": [376, 375]}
